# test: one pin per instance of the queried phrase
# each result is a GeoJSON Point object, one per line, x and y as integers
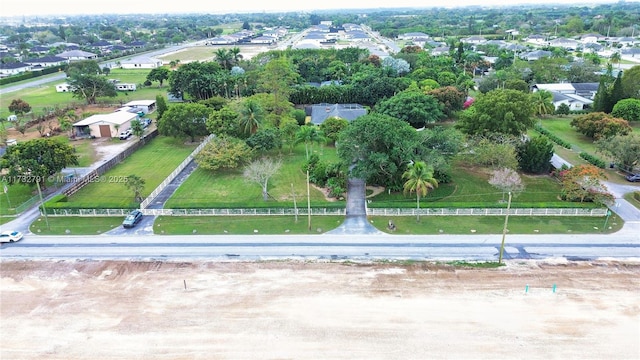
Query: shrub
{"type": "Point", "coordinates": [593, 160]}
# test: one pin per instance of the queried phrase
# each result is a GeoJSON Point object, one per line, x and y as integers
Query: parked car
{"type": "Point", "coordinates": [10, 236]}
{"type": "Point", "coordinates": [124, 135]}
{"type": "Point", "coordinates": [633, 177]}
{"type": "Point", "coordinates": [145, 123]}
{"type": "Point", "coordinates": [132, 219]}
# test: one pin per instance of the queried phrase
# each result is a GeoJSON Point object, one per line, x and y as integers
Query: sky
{"type": "Point", "coordinates": [76, 7]}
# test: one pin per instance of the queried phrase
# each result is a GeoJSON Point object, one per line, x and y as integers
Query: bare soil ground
{"type": "Point", "coordinates": [303, 310]}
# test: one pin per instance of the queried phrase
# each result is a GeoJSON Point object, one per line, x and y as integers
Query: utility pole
{"type": "Point", "coordinates": [295, 207]}
{"type": "Point", "coordinates": [308, 201]}
{"type": "Point", "coordinates": [504, 229]}
{"type": "Point", "coordinates": [44, 211]}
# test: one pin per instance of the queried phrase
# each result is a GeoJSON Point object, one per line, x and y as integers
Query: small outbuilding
{"type": "Point", "coordinates": [104, 125]}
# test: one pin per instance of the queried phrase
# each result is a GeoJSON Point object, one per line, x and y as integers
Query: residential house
{"type": "Point", "coordinates": [221, 40]}
{"type": "Point", "coordinates": [138, 44]}
{"type": "Point", "coordinates": [47, 61]}
{"type": "Point", "coordinates": [474, 40]}
{"type": "Point", "coordinates": [413, 36]}
{"type": "Point", "coordinates": [9, 69]}
{"type": "Point", "coordinates": [140, 62]}
{"type": "Point", "coordinates": [591, 38]}
{"type": "Point", "coordinates": [561, 88]}
{"type": "Point", "coordinates": [575, 102]}
{"type": "Point", "coordinates": [104, 125]}
{"type": "Point", "coordinates": [536, 55]}
{"type": "Point", "coordinates": [565, 43]}
{"type": "Point", "coordinates": [74, 55]}
{"type": "Point", "coordinates": [536, 39]}
{"type": "Point", "coordinates": [349, 112]}
{"type": "Point", "coordinates": [265, 40]}
{"type": "Point", "coordinates": [440, 50]}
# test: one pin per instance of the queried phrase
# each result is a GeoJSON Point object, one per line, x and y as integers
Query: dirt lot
{"type": "Point", "coordinates": [295, 310]}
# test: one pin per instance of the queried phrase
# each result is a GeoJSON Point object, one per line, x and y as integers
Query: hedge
{"type": "Point", "coordinates": [593, 160]}
{"type": "Point", "coordinates": [553, 137]}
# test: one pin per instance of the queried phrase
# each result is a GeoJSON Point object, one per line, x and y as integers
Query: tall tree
{"type": "Point", "coordinates": [186, 119]}
{"type": "Point", "coordinates": [378, 147]}
{"type": "Point", "coordinates": [159, 74]}
{"type": "Point", "coordinates": [419, 179]}
{"type": "Point", "coordinates": [33, 161]}
{"type": "Point", "coordinates": [414, 107]}
{"type": "Point", "coordinates": [309, 134]}
{"type": "Point", "coordinates": [623, 149]}
{"type": "Point", "coordinates": [136, 184]}
{"type": "Point", "coordinates": [499, 111]}
{"type": "Point", "coordinates": [542, 102]}
{"type": "Point", "coordinates": [534, 155]}
{"type": "Point", "coordinates": [277, 77]}
{"type": "Point", "coordinates": [251, 116]}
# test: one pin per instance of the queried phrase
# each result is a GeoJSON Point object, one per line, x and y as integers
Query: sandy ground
{"type": "Point", "coordinates": [296, 310]}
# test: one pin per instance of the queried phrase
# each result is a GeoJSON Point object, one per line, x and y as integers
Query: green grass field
{"type": "Point", "coordinates": [433, 225]}
{"type": "Point", "coordinates": [153, 162]}
{"type": "Point", "coordinates": [242, 225]}
{"type": "Point", "coordinates": [74, 225]}
{"type": "Point", "coordinates": [229, 189]}
{"type": "Point", "coordinates": [46, 95]}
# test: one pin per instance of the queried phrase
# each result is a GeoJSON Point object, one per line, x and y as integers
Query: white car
{"type": "Point", "coordinates": [10, 236]}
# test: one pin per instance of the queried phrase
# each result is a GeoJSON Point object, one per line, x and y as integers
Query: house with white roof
{"type": "Point", "coordinates": [140, 62]}
{"type": "Point", "coordinates": [147, 106]}
{"type": "Point", "coordinates": [536, 39]}
{"type": "Point", "coordinates": [72, 55]}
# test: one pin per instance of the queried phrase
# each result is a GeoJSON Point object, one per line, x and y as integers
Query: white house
{"type": "Point", "coordinates": [47, 61]}
{"type": "Point", "coordinates": [104, 125]}
{"type": "Point", "coordinates": [13, 68]}
{"type": "Point", "coordinates": [536, 39]}
{"type": "Point", "coordinates": [575, 102]}
{"type": "Point", "coordinates": [140, 62]}
{"type": "Point", "coordinates": [77, 55]}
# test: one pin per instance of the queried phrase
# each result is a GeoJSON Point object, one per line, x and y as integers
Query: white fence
{"type": "Point", "coordinates": [169, 179]}
{"type": "Point", "coordinates": [331, 211]}
{"type": "Point", "coordinates": [488, 212]}
{"type": "Point", "coordinates": [197, 212]}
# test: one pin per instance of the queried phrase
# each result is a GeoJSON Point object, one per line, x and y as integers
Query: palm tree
{"type": "Point", "coordinates": [308, 135]}
{"type": "Point", "coordinates": [224, 57]}
{"type": "Point", "coordinates": [616, 58]}
{"type": "Point", "coordinates": [420, 179]}
{"type": "Point", "coordinates": [543, 102]}
{"type": "Point", "coordinates": [251, 116]}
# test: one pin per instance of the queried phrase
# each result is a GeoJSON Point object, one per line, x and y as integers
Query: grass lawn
{"type": "Point", "coordinates": [470, 188]}
{"type": "Point", "coordinates": [76, 225]}
{"type": "Point", "coordinates": [430, 225]}
{"type": "Point", "coordinates": [153, 162]}
{"type": "Point", "coordinates": [241, 225]}
{"type": "Point", "coordinates": [228, 189]}
{"type": "Point", "coordinates": [629, 197]}
{"type": "Point", "coordinates": [46, 95]}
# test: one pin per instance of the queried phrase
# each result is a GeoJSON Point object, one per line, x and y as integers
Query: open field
{"type": "Point", "coordinates": [301, 310]}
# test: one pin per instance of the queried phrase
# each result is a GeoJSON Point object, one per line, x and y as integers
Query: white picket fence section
{"type": "Point", "coordinates": [488, 212]}
{"type": "Point", "coordinates": [330, 211]}
{"type": "Point", "coordinates": [169, 179]}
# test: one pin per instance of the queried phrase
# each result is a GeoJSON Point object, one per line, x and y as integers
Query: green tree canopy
{"type": "Point", "coordinates": [419, 179]}
{"type": "Point", "coordinates": [414, 107]}
{"type": "Point", "coordinates": [498, 112]}
{"type": "Point", "coordinates": [159, 74]}
{"type": "Point", "coordinates": [379, 147]}
{"type": "Point", "coordinates": [33, 161]}
{"type": "Point", "coordinates": [185, 120]}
